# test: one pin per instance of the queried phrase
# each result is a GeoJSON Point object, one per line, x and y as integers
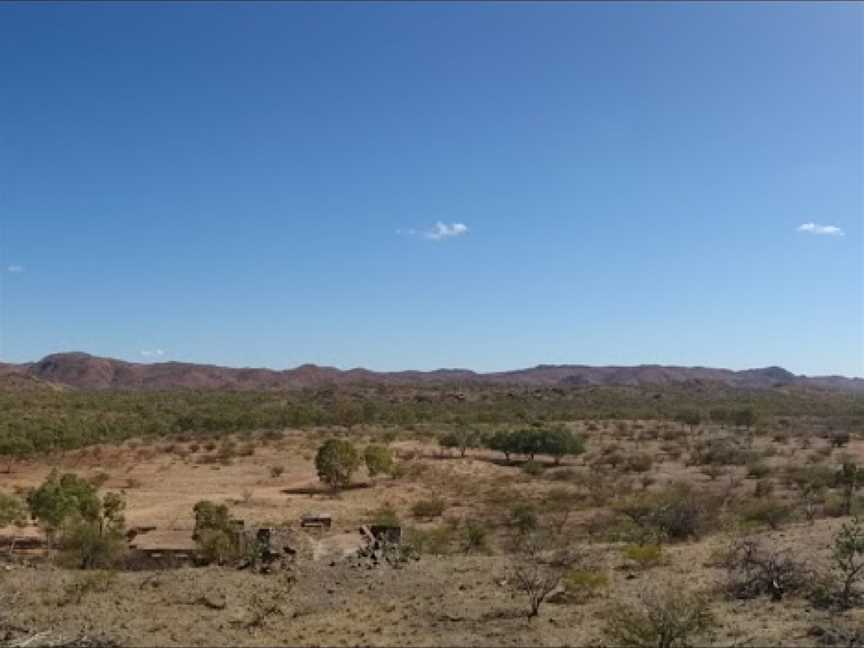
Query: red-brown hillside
{"type": "Point", "coordinates": [84, 371]}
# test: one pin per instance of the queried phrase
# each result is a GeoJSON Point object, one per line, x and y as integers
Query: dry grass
{"type": "Point", "coordinates": [455, 599]}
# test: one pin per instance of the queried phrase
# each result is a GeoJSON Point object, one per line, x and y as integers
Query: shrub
{"type": "Point", "coordinates": [385, 515]}
{"type": "Point", "coordinates": [809, 478]}
{"type": "Point", "coordinates": [641, 462]}
{"type": "Point", "coordinates": [523, 517]}
{"type": "Point", "coordinates": [336, 461]}
{"type": "Point", "coordinates": [834, 506]}
{"type": "Point", "coordinates": [764, 488]}
{"type": "Point", "coordinates": [712, 471]}
{"type": "Point", "coordinates": [12, 511]}
{"type": "Point", "coordinates": [82, 584]}
{"type": "Point", "coordinates": [645, 556]}
{"type": "Point", "coordinates": [99, 479]}
{"type": "Point", "coordinates": [559, 442]}
{"type": "Point", "coordinates": [848, 559]}
{"type": "Point", "coordinates": [93, 544]}
{"type": "Point", "coordinates": [276, 471]}
{"type": "Point", "coordinates": [59, 498]}
{"type": "Point", "coordinates": [533, 468]}
{"type": "Point", "coordinates": [768, 511]}
{"type": "Point", "coordinates": [676, 513]}
{"type": "Point", "coordinates": [475, 537]}
{"type": "Point", "coordinates": [429, 508]}
{"type": "Point", "coordinates": [462, 439]}
{"type": "Point", "coordinates": [215, 534]}
{"type": "Point", "coordinates": [690, 417]}
{"type": "Point", "coordinates": [580, 585]}
{"type": "Point", "coordinates": [562, 474]}
{"type": "Point", "coordinates": [661, 619]}
{"type": "Point", "coordinates": [849, 479]}
{"type": "Point", "coordinates": [534, 573]}
{"type": "Point", "coordinates": [437, 541]}
{"type": "Point", "coordinates": [753, 571]}
{"type": "Point", "coordinates": [758, 470]}
{"type": "Point", "coordinates": [719, 452]}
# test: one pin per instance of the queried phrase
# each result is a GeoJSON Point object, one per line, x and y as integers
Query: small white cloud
{"type": "Point", "coordinates": [155, 353]}
{"type": "Point", "coordinates": [16, 269]}
{"type": "Point", "coordinates": [824, 230]}
{"type": "Point", "coordinates": [442, 231]}
{"type": "Point", "coordinates": [437, 232]}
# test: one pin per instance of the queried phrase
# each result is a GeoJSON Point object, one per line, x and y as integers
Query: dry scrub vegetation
{"type": "Point", "coordinates": [704, 527]}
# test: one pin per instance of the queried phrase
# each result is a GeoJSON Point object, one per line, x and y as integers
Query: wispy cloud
{"type": "Point", "coordinates": [438, 232]}
{"type": "Point", "coordinates": [16, 269]}
{"type": "Point", "coordinates": [154, 353]}
{"type": "Point", "coordinates": [823, 230]}
{"type": "Point", "coordinates": [442, 231]}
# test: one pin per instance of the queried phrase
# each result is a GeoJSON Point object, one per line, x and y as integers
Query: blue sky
{"type": "Point", "coordinates": [422, 185]}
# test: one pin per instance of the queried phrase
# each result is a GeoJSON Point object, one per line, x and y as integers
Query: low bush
{"type": "Point", "coordinates": [764, 488]}
{"type": "Point", "coordinates": [533, 468]}
{"type": "Point", "coordinates": [523, 517]}
{"type": "Point", "coordinates": [645, 556]}
{"type": "Point", "coordinates": [384, 515]}
{"type": "Point", "coordinates": [668, 618]}
{"type": "Point", "coordinates": [676, 513]}
{"type": "Point", "coordinates": [722, 451]}
{"type": "Point", "coordinates": [581, 585]}
{"type": "Point", "coordinates": [758, 470]}
{"type": "Point", "coordinates": [641, 462]}
{"type": "Point", "coordinates": [436, 542]}
{"type": "Point", "coordinates": [475, 537]}
{"type": "Point", "coordinates": [82, 584]}
{"type": "Point", "coordinates": [429, 508]}
{"type": "Point", "coordinates": [754, 571]}
{"type": "Point", "coordinates": [99, 479]}
{"type": "Point", "coordinates": [767, 510]}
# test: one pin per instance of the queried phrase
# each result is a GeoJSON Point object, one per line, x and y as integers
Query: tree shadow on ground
{"type": "Point", "coordinates": [324, 490]}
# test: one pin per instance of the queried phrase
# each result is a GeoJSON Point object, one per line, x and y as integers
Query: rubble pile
{"type": "Point", "coordinates": [383, 546]}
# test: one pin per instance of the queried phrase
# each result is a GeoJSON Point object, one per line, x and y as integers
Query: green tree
{"type": "Point", "coordinates": [501, 441]}
{"type": "Point", "coordinates": [379, 460]}
{"type": "Point", "coordinates": [12, 511]}
{"type": "Point", "coordinates": [336, 461]}
{"type": "Point", "coordinates": [348, 413]}
{"type": "Point", "coordinates": [559, 442]}
{"type": "Point", "coordinates": [209, 515]}
{"type": "Point", "coordinates": [528, 441]}
{"type": "Point", "coordinates": [88, 529]}
{"type": "Point", "coordinates": [215, 534]}
{"type": "Point", "coordinates": [462, 438]}
{"type": "Point", "coordinates": [60, 497]}
{"type": "Point", "coordinates": [98, 543]}
{"type": "Point", "coordinates": [15, 447]}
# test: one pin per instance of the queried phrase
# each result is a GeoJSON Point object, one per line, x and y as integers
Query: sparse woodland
{"type": "Point", "coordinates": [583, 516]}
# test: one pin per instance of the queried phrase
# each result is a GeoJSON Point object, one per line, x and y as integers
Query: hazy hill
{"type": "Point", "coordinates": [84, 371]}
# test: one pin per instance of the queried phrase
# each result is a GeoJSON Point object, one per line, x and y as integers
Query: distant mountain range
{"type": "Point", "coordinates": [84, 371]}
